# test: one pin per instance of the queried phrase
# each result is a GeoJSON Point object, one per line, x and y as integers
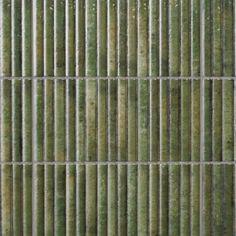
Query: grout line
{"type": "Point", "coordinates": [119, 78]}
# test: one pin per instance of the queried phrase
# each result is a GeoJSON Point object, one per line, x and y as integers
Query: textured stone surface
{"type": "Point", "coordinates": [115, 139]}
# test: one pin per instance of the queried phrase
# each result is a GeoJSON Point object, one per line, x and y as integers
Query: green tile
{"type": "Point", "coordinates": [117, 156]}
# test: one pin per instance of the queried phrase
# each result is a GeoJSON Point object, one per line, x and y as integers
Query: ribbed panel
{"type": "Point", "coordinates": [117, 157]}
{"type": "Point", "coordinates": [102, 38]}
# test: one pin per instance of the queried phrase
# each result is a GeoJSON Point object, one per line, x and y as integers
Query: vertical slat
{"type": "Point", "coordinates": [185, 48]}
{"type": "Point", "coordinates": [228, 155]}
{"type": "Point", "coordinates": [132, 156]}
{"type": "Point", "coordinates": [6, 155]}
{"type": "Point", "coordinates": [59, 38]}
{"type": "Point", "coordinates": [80, 37]}
{"type": "Point", "coordinates": [164, 116]}
{"type": "Point", "coordinates": [228, 117]}
{"type": "Point", "coordinates": [174, 99]}
{"type": "Point", "coordinates": [154, 188]}
{"type": "Point", "coordinates": [122, 37]}
{"type": "Point", "coordinates": [217, 219]}
{"type": "Point", "coordinates": [195, 156]}
{"type": "Point", "coordinates": [143, 117]}
{"type": "Point", "coordinates": [27, 115]}
{"type": "Point", "coordinates": [195, 37]}
{"type": "Point", "coordinates": [207, 38]}
{"type": "Point", "coordinates": [122, 117]}
{"type": "Point", "coordinates": [154, 98]}
{"type": "Point", "coordinates": [16, 118]}
{"type": "Point", "coordinates": [70, 37]}
{"type": "Point", "coordinates": [112, 111]}
{"type": "Point", "coordinates": [59, 152]}
{"type": "Point", "coordinates": [112, 38]}
{"type": "Point", "coordinates": [122, 156]}
{"type": "Point", "coordinates": [70, 156]}
{"type": "Point", "coordinates": [154, 151]}
{"type": "Point", "coordinates": [70, 119]}
{"type": "Point", "coordinates": [91, 93]}
{"type": "Point", "coordinates": [102, 119]}
{"type": "Point", "coordinates": [38, 175]}
{"type": "Point", "coordinates": [48, 154]}
{"type": "Point", "coordinates": [59, 118]}
{"type": "Point", "coordinates": [164, 155]}
{"type": "Point", "coordinates": [206, 178]}
{"type": "Point", "coordinates": [48, 38]}
{"type": "Point", "coordinates": [38, 170]}
{"type": "Point", "coordinates": [217, 156]}
{"type": "Point", "coordinates": [112, 152]}
{"type": "Point", "coordinates": [195, 119]}
{"type": "Point", "coordinates": [6, 38]}
{"type": "Point", "coordinates": [16, 156]}
{"type": "Point", "coordinates": [48, 117]}
{"type": "Point", "coordinates": [185, 156]}
{"type": "Point", "coordinates": [154, 37]}
{"type": "Point", "coordinates": [216, 9]}
{"type": "Point", "coordinates": [27, 154]}
{"type": "Point", "coordinates": [26, 38]}
{"type": "Point", "coordinates": [132, 200]}
{"type": "Point", "coordinates": [6, 137]}
{"type": "Point", "coordinates": [185, 213]}
{"type": "Point", "coordinates": [174, 170]}
{"type": "Point", "coordinates": [91, 39]}
{"type": "Point", "coordinates": [207, 226]}
{"type": "Point", "coordinates": [80, 156]}
{"type": "Point", "coordinates": [91, 155]}
{"type": "Point", "coordinates": [132, 119]}
{"type": "Point", "coordinates": [80, 117]}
